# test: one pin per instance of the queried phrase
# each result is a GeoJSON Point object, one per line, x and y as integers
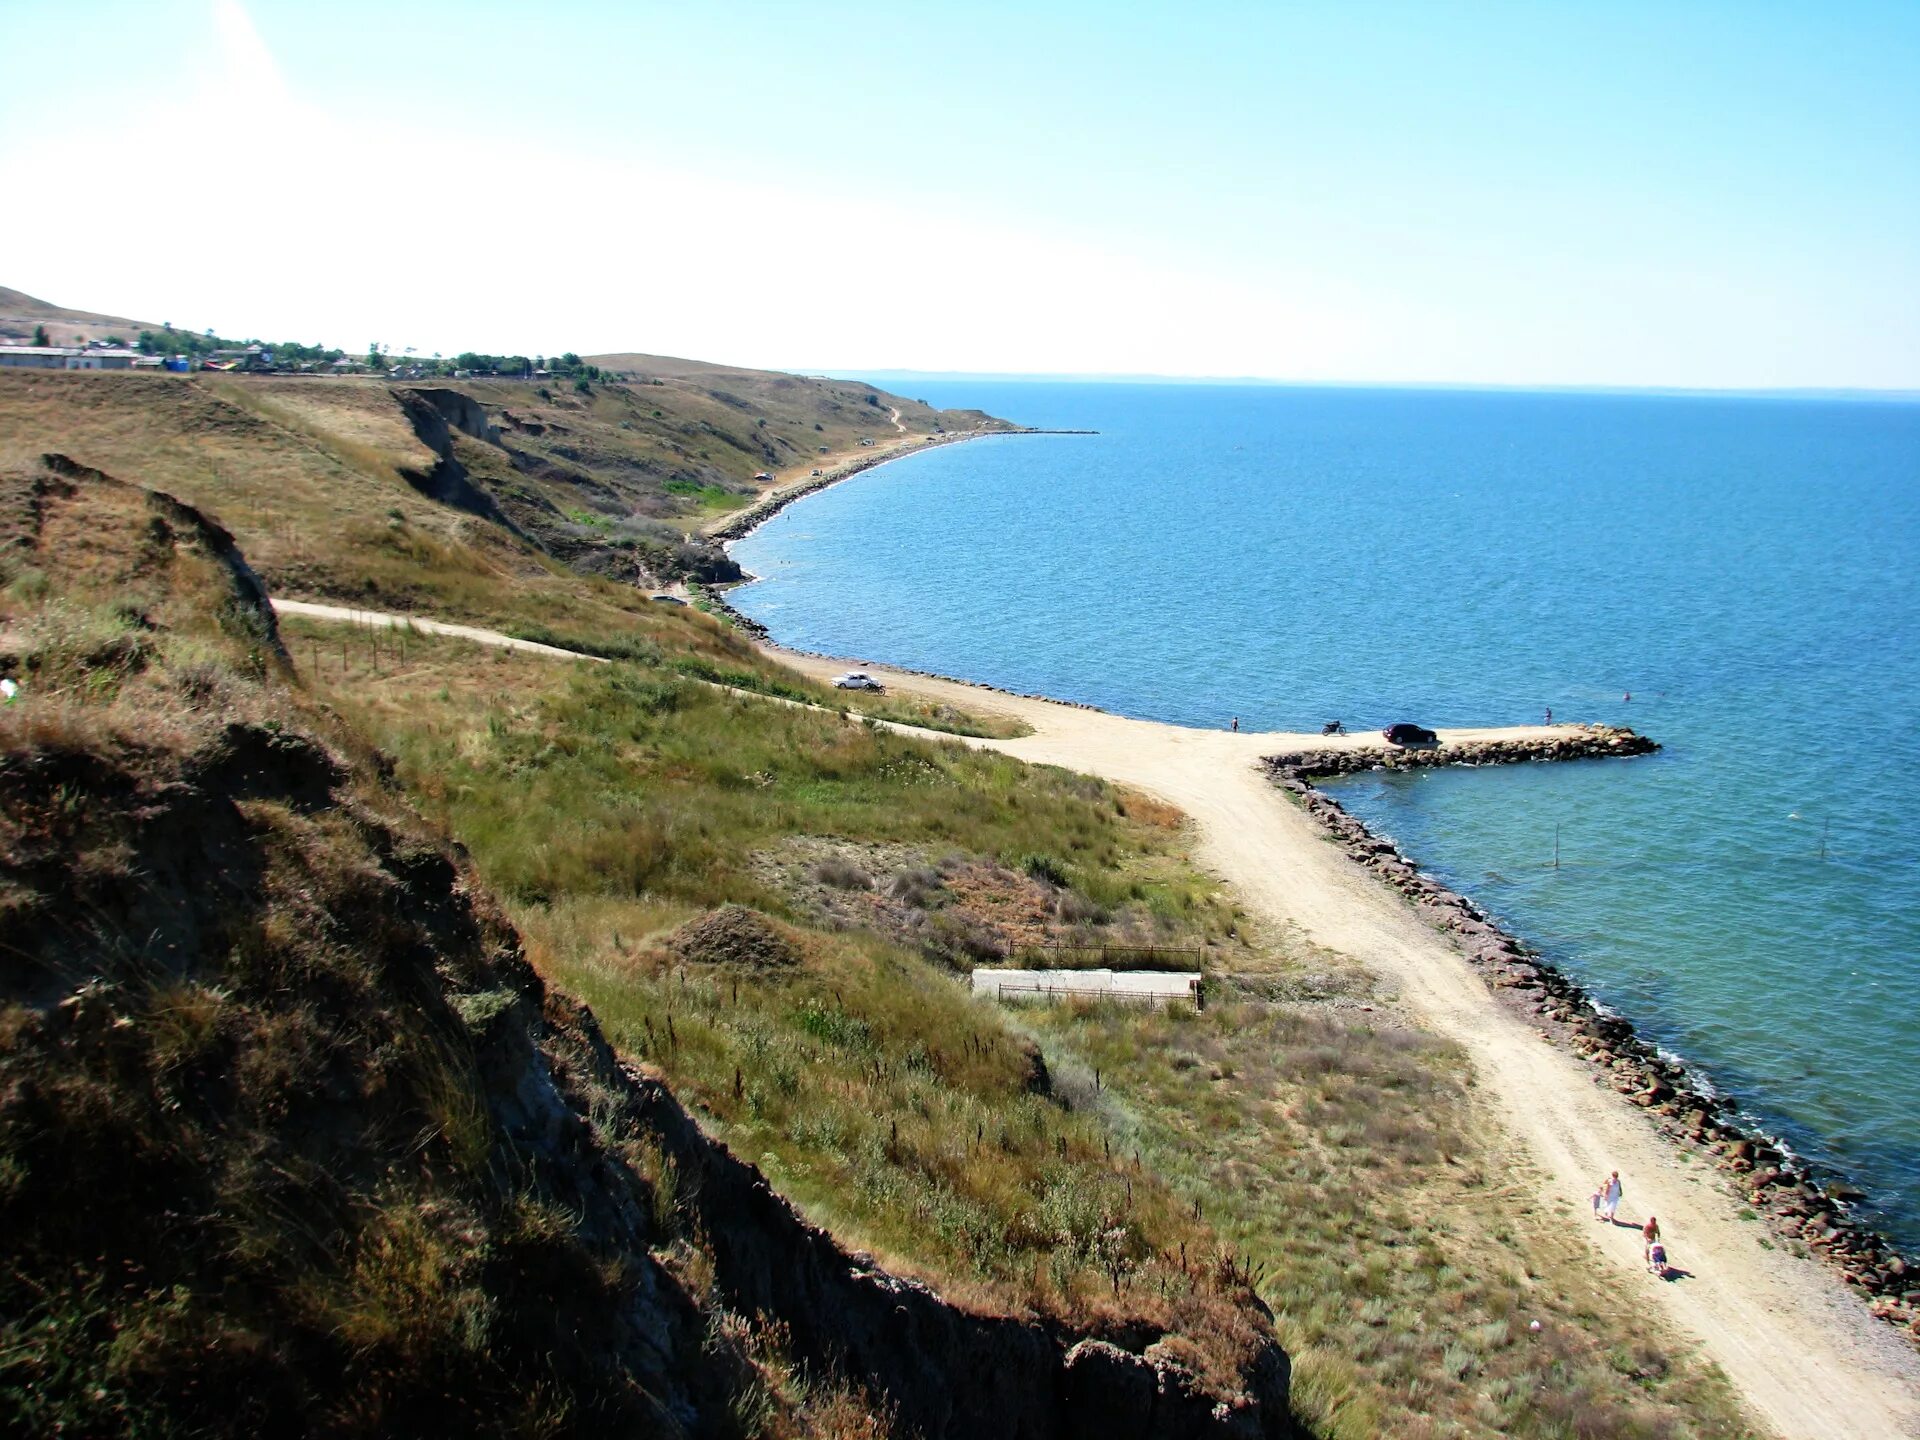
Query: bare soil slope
{"type": "Point", "coordinates": [20, 313]}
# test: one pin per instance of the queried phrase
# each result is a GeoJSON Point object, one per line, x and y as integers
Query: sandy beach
{"type": "Point", "coordinates": [1802, 1349]}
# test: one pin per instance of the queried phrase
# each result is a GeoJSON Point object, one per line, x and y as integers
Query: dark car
{"type": "Point", "coordinates": [1408, 734]}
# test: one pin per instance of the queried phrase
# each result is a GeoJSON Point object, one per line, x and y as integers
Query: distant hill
{"type": "Point", "coordinates": [21, 312]}
{"type": "Point", "coordinates": [848, 409]}
{"type": "Point", "coordinates": [613, 475]}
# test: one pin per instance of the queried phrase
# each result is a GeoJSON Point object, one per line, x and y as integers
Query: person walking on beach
{"type": "Point", "coordinates": [1610, 1198]}
{"type": "Point", "coordinates": [1649, 1235]}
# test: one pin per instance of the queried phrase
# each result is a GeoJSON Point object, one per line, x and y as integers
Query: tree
{"type": "Point", "coordinates": [40, 335]}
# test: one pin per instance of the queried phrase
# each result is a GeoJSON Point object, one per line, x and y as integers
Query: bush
{"type": "Point", "coordinates": [842, 875]}
{"type": "Point", "coordinates": [1045, 869]}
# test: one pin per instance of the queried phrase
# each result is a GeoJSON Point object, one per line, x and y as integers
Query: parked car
{"type": "Point", "coordinates": [857, 680]}
{"type": "Point", "coordinates": [1409, 734]}
{"type": "Point", "coordinates": [669, 599]}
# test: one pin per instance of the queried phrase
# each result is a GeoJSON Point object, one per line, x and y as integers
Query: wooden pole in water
{"type": "Point", "coordinates": [1556, 845]}
{"type": "Point", "coordinates": [1825, 824]}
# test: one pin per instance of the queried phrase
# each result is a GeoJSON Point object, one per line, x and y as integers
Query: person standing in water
{"type": "Point", "coordinates": [1236, 724]}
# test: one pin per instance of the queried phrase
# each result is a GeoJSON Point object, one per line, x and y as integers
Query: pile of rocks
{"type": "Point", "coordinates": [1578, 742]}
{"type": "Point", "coordinates": [1797, 1204]}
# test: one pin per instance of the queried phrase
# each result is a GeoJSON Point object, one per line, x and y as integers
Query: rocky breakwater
{"type": "Point", "coordinates": [1801, 1205]}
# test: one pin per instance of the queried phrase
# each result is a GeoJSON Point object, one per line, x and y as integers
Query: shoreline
{"type": "Point", "coordinates": [743, 522]}
{"type": "Point", "coordinates": [1802, 1201]}
{"type": "Point", "coordinates": [1752, 1304]}
{"type": "Point", "coordinates": [1801, 1344]}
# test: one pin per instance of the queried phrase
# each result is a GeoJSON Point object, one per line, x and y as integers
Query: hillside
{"type": "Point", "coordinates": [606, 478]}
{"type": "Point", "coordinates": [20, 313]}
{"type": "Point", "coordinates": [421, 1037]}
{"type": "Point", "coordinates": [294, 1139]}
{"type": "Point", "coordinates": [843, 408]}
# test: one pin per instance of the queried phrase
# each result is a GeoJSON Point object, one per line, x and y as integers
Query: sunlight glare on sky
{"type": "Point", "coordinates": [1713, 195]}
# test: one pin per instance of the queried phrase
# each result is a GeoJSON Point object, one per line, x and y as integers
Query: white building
{"type": "Point", "coordinates": [65, 357]}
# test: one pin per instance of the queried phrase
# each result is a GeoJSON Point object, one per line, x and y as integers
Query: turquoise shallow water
{"type": "Point", "coordinates": [1746, 568]}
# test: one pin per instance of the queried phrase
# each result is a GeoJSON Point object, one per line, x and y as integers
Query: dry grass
{"type": "Point", "coordinates": [250, 1175]}
{"type": "Point", "coordinates": [611, 805]}
{"type": "Point", "coordinates": [904, 1118]}
{"type": "Point", "coordinates": [1337, 1150]}
{"type": "Point", "coordinates": [670, 788]}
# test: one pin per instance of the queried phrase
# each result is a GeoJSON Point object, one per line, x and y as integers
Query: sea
{"type": "Point", "coordinates": [1737, 577]}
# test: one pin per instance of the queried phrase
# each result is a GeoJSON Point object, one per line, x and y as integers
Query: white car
{"type": "Point", "coordinates": [856, 680]}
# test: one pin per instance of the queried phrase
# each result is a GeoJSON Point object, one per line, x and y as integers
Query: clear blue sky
{"type": "Point", "coordinates": [1663, 194]}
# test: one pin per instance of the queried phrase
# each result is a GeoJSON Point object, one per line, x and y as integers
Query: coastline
{"type": "Point", "coordinates": [1802, 1202]}
{"type": "Point", "coordinates": [1797, 1340]}
{"type": "Point", "coordinates": [743, 522]}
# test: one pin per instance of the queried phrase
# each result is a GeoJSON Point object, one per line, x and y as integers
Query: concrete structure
{"type": "Point", "coordinates": [1138, 987]}
{"type": "Point", "coordinates": [65, 357]}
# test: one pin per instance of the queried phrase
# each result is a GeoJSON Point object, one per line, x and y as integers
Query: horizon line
{"type": "Point", "coordinates": [1041, 377]}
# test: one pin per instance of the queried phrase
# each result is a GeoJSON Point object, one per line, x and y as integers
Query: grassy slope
{"type": "Point", "coordinates": [611, 805]}
{"type": "Point", "coordinates": [1334, 1149]}
{"type": "Point", "coordinates": [602, 479]}
{"type": "Point", "coordinates": [898, 1112]}
{"type": "Point", "coordinates": [809, 411]}
{"type": "Point", "coordinates": [308, 476]}
{"type": "Point", "coordinates": [346, 1234]}
{"type": "Point", "coordinates": [267, 1063]}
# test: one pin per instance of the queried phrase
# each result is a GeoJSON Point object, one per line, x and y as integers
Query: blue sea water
{"type": "Point", "coordinates": [1747, 569]}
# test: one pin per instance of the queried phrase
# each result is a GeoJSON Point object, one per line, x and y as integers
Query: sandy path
{"type": "Point", "coordinates": [1802, 1348]}
{"type": "Point", "coordinates": [381, 620]}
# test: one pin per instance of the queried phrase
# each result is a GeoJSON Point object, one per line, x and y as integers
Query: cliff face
{"type": "Point", "coordinates": [293, 1139]}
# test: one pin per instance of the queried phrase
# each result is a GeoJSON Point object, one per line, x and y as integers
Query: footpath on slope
{"type": "Point", "coordinates": [1804, 1352]}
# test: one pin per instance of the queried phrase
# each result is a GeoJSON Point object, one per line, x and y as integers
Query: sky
{"type": "Point", "coordinates": [1665, 194]}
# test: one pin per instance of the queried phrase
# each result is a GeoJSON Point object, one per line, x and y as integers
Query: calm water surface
{"type": "Point", "coordinates": [1744, 568]}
